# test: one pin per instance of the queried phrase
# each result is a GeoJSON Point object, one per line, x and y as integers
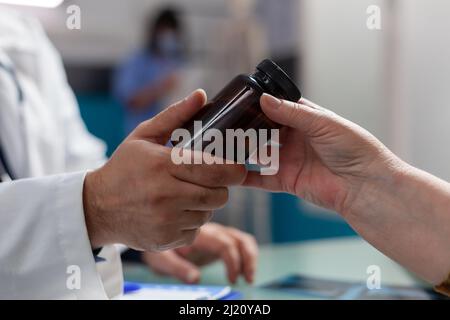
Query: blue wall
{"type": "Point", "coordinates": [291, 221]}
{"type": "Point", "coordinates": [103, 116]}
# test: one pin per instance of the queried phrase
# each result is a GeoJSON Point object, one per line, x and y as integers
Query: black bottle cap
{"type": "Point", "coordinates": [276, 74]}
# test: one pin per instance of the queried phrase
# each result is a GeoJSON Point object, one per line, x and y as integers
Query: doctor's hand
{"type": "Point", "coordinates": [324, 158]}
{"type": "Point", "coordinates": [140, 198]}
{"type": "Point", "coordinates": [238, 251]}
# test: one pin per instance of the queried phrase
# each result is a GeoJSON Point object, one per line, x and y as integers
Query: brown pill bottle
{"type": "Point", "coordinates": [237, 106]}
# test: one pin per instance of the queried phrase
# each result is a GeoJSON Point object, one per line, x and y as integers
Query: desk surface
{"type": "Point", "coordinates": [338, 259]}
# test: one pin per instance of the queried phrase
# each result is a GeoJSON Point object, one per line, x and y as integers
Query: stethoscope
{"type": "Point", "coordinates": [6, 174]}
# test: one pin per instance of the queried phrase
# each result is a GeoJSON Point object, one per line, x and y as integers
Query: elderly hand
{"type": "Point", "coordinates": [324, 158]}
{"type": "Point", "coordinates": [399, 209]}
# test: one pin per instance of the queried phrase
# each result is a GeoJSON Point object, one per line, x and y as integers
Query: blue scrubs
{"type": "Point", "coordinates": [137, 72]}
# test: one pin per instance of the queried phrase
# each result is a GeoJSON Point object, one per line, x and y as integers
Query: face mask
{"type": "Point", "coordinates": [168, 44]}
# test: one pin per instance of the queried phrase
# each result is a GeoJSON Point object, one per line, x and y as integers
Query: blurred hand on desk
{"type": "Point", "coordinates": [238, 251]}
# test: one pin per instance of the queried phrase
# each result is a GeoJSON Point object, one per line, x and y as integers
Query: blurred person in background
{"type": "Point", "coordinates": [145, 80]}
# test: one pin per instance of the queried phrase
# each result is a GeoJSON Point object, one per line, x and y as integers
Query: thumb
{"type": "Point", "coordinates": [159, 128]}
{"type": "Point", "coordinates": [302, 115]}
{"type": "Point", "coordinates": [171, 264]}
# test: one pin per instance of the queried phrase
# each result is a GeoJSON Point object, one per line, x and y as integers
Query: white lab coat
{"type": "Point", "coordinates": [42, 226]}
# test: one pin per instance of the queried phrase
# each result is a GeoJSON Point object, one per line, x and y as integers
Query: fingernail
{"type": "Point", "coordinates": [189, 97]}
{"type": "Point", "coordinates": [272, 101]}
